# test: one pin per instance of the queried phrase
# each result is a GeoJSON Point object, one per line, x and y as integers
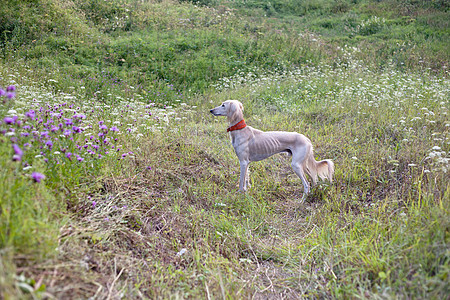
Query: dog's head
{"type": "Point", "coordinates": [232, 109]}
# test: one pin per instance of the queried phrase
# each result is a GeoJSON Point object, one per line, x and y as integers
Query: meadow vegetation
{"type": "Point", "coordinates": [117, 182]}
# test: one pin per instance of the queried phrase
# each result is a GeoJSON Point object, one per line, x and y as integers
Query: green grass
{"type": "Point", "coordinates": [161, 217]}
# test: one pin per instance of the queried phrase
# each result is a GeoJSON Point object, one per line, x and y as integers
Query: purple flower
{"type": "Point", "coordinates": [8, 120]}
{"type": "Point", "coordinates": [49, 144]}
{"type": "Point", "coordinates": [11, 88]}
{"type": "Point", "coordinates": [30, 114]}
{"type": "Point", "coordinates": [80, 116]}
{"type": "Point", "coordinates": [18, 153]}
{"type": "Point", "coordinates": [94, 203]}
{"type": "Point", "coordinates": [103, 127]}
{"type": "Point", "coordinates": [69, 122]}
{"type": "Point", "coordinates": [114, 128]}
{"type": "Point", "coordinates": [2, 92]}
{"type": "Point", "coordinates": [68, 155]}
{"type": "Point", "coordinates": [76, 129]}
{"type": "Point", "coordinates": [37, 177]}
{"type": "Point", "coordinates": [10, 95]}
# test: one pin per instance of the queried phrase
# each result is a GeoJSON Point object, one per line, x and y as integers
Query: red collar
{"type": "Point", "coordinates": [238, 126]}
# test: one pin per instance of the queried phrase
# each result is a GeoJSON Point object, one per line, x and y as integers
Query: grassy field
{"type": "Point", "coordinates": [117, 182]}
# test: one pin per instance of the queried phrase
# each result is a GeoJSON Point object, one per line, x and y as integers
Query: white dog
{"type": "Point", "coordinates": [251, 144]}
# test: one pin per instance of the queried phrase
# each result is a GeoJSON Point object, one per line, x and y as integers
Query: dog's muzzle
{"type": "Point", "coordinates": [213, 112]}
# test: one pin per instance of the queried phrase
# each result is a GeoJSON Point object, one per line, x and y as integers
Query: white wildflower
{"type": "Point", "coordinates": [182, 252]}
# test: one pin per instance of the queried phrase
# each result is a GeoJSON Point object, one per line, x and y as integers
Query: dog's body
{"type": "Point", "coordinates": [251, 144]}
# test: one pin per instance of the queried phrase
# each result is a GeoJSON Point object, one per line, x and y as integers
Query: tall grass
{"type": "Point", "coordinates": [140, 194]}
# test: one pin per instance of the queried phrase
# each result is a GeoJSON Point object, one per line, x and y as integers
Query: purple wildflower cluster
{"type": "Point", "coordinates": [60, 132]}
{"type": "Point", "coordinates": [7, 94]}
{"type": "Point", "coordinates": [57, 132]}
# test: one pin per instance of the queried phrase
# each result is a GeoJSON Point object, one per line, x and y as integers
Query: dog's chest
{"type": "Point", "coordinates": [238, 141]}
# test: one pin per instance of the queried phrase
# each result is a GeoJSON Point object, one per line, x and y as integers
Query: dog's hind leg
{"type": "Point", "coordinates": [299, 171]}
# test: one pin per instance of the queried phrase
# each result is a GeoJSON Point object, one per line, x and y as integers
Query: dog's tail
{"type": "Point", "coordinates": [323, 169]}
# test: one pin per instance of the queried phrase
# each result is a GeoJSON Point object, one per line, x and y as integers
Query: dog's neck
{"type": "Point", "coordinates": [240, 125]}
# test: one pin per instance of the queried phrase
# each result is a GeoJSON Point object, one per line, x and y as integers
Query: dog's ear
{"type": "Point", "coordinates": [235, 111]}
{"type": "Point", "coordinates": [241, 106]}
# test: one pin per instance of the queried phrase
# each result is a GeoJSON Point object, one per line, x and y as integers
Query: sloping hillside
{"type": "Point", "coordinates": [117, 182]}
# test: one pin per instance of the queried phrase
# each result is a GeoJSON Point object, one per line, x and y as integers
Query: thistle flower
{"type": "Point", "coordinates": [8, 120]}
{"type": "Point", "coordinates": [37, 177]}
{"type": "Point", "coordinates": [30, 114]}
{"type": "Point", "coordinates": [49, 144]}
{"type": "Point", "coordinates": [79, 116]}
{"type": "Point", "coordinates": [68, 122]}
{"type": "Point", "coordinates": [18, 153]}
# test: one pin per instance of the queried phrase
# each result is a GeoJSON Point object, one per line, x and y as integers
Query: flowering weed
{"type": "Point", "coordinates": [112, 168]}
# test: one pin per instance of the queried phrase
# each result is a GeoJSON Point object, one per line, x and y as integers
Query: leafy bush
{"type": "Point", "coordinates": [371, 26]}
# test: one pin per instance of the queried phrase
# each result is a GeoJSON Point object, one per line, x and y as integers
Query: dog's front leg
{"type": "Point", "coordinates": [247, 178]}
{"type": "Point", "coordinates": [243, 178]}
